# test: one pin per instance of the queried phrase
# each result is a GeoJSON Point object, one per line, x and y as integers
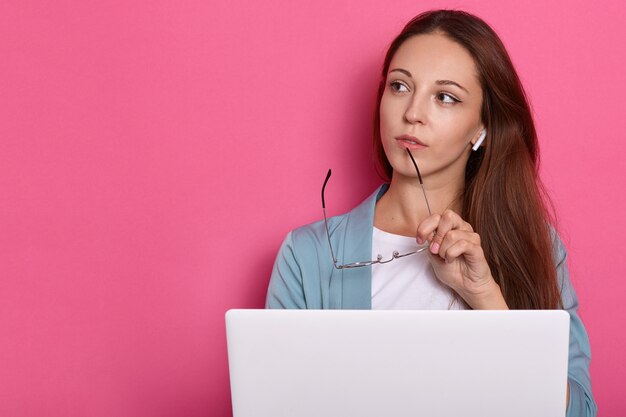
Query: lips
{"type": "Point", "coordinates": [410, 142]}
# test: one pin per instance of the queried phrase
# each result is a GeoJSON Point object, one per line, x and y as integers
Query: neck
{"type": "Point", "coordinates": [403, 207]}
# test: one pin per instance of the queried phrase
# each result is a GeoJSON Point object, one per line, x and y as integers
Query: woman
{"type": "Point", "coordinates": [473, 230]}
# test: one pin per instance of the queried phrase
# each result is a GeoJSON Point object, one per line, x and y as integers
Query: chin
{"type": "Point", "coordinates": [401, 163]}
{"type": "Point", "coordinates": [406, 170]}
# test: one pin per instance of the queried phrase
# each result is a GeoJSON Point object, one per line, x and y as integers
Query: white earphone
{"type": "Point", "coordinates": [480, 140]}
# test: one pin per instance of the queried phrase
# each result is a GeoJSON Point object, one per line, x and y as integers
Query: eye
{"type": "Point", "coordinates": [447, 98]}
{"type": "Point", "coordinates": [396, 86]}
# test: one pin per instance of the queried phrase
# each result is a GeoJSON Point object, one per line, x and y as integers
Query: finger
{"type": "Point", "coordinates": [454, 236]}
{"type": "Point", "coordinates": [426, 228]}
{"type": "Point", "coordinates": [453, 220]}
{"type": "Point", "coordinates": [470, 251]}
{"type": "Point", "coordinates": [449, 221]}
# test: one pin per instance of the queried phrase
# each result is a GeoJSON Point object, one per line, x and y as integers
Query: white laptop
{"type": "Point", "coordinates": [331, 363]}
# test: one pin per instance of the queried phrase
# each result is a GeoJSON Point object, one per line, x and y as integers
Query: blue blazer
{"type": "Point", "coordinates": [304, 277]}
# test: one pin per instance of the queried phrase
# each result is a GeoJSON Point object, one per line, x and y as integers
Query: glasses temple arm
{"type": "Point", "coordinates": [419, 176]}
{"type": "Point", "coordinates": [332, 253]}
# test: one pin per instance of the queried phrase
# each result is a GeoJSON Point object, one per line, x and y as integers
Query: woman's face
{"type": "Point", "coordinates": [433, 94]}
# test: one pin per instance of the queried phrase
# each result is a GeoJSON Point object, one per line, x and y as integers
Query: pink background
{"type": "Point", "coordinates": [153, 155]}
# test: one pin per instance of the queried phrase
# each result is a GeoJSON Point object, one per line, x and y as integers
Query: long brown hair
{"type": "Point", "coordinates": [504, 199]}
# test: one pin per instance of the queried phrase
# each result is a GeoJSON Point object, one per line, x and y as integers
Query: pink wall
{"type": "Point", "coordinates": [153, 154]}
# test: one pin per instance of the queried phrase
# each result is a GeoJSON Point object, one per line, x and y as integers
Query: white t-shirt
{"type": "Point", "coordinates": [407, 283]}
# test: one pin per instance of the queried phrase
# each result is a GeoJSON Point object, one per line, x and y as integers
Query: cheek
{"type": "Point", "coordinates": [389, 116]}
{"type": "Point", "coordinates": [457, 129]}
{"type": "Point", "coordinates": [454, 135]}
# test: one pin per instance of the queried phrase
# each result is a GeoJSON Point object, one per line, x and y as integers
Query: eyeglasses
{"type": "Point", "coordinates": [379, 257]}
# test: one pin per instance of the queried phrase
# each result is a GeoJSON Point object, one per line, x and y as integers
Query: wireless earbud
{"type": "Point", "coordinates": [480, 140]}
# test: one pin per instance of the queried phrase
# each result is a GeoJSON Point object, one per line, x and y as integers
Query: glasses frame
{"type": "Point", "coordinates": [379, 258]}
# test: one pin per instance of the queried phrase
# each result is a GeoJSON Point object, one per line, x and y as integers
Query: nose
{"type": "Point", "coordinates": [416, 111]}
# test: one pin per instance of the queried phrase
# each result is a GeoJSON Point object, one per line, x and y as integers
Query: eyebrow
{"type": "Point", "coordinates": [438, 82]}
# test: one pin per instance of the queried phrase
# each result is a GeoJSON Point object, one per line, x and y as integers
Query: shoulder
{"type": "Point", "coordinates": [559, 257]}
{"type": "Point", "coordinates": [314, 233]}
{"type": "Point", "coordinates": [559, 253]}
{"type": "Point", "coordinates": [302, 265]}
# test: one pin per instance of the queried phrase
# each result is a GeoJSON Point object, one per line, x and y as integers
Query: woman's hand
{"type": "Point", "coordinates": [459, 261]}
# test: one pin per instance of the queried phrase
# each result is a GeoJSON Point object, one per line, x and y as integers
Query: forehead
{"type": "Point", "coordinates": [434, 56]}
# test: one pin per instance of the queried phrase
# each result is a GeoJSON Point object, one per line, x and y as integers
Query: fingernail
{"type": "Point", "coordinates": [420, 241]}
{"type": "Point", "coordinates": [434, 247]}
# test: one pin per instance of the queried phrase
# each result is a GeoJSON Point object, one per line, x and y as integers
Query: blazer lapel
{"type": "Point", "coordinates": [357, 282]}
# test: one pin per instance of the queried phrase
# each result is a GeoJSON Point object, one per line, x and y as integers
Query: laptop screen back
{"type": "Point", "coordinates": [397, 363]}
